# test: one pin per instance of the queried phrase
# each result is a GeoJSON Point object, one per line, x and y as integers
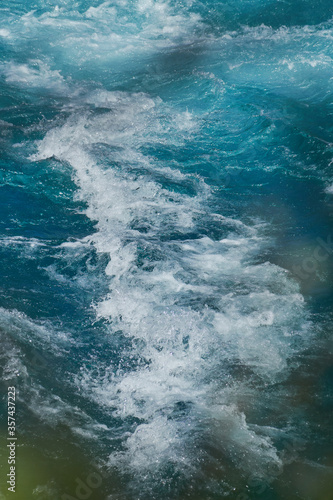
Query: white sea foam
{"type": "Point", "coordinates": [36, 74]}
{"type": "Point", "coordinates": [288, 60]}
{"type": "Point", "coordinates": [4, 33]}
{"type": "Point", "coordinates": [201, 320]}
{"type": "Point", "coordinates": [17, 368]}
{"type": "Point", "coordinates": [109, 31]}
{"type": "Point", "coordinates": [255, 321]}
{"type": "Point", "coordinates": [22, 241]}
{"type": "Point", "coordinates": [329, 189]}
{"type": "Point", "coordinates": [40, 334]}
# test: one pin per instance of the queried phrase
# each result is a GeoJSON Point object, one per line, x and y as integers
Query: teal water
{"type": "Point", "coordinates": [166, 248]}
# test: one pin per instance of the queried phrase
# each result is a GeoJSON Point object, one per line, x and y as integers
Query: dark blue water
{"type": "Point", "coordinates": [166, 248]}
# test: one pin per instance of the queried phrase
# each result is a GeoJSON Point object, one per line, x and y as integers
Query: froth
{"type": "Point", "coordinates": [36, 74]}
{"type": "Point", "coordinates": [193, 308]}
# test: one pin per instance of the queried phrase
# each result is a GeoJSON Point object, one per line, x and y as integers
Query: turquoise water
{"type": "Point", "coordinates": [166, 248]}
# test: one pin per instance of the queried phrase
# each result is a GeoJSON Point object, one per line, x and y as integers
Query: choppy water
{"type": "Point", "coordinates": [166, 248]}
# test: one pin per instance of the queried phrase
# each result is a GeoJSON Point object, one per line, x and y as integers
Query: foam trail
{"type": "Point", "coordinates": [175, 298]}
{"type": "Point", "coordinates": [148, 104]}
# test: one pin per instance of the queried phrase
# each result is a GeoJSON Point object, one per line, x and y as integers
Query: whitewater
{"type": "Point", "coordinates": [166, 253]}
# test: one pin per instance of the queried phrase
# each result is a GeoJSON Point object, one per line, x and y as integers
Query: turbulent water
{"type": "Point", "coordinates": [166, 248]}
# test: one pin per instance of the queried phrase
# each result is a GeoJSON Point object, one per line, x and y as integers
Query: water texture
{"type": "Point", "coordinates": [166, 248]}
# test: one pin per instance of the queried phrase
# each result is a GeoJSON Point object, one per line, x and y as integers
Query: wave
{"type": "Point", "coordinates": [203, 317]}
